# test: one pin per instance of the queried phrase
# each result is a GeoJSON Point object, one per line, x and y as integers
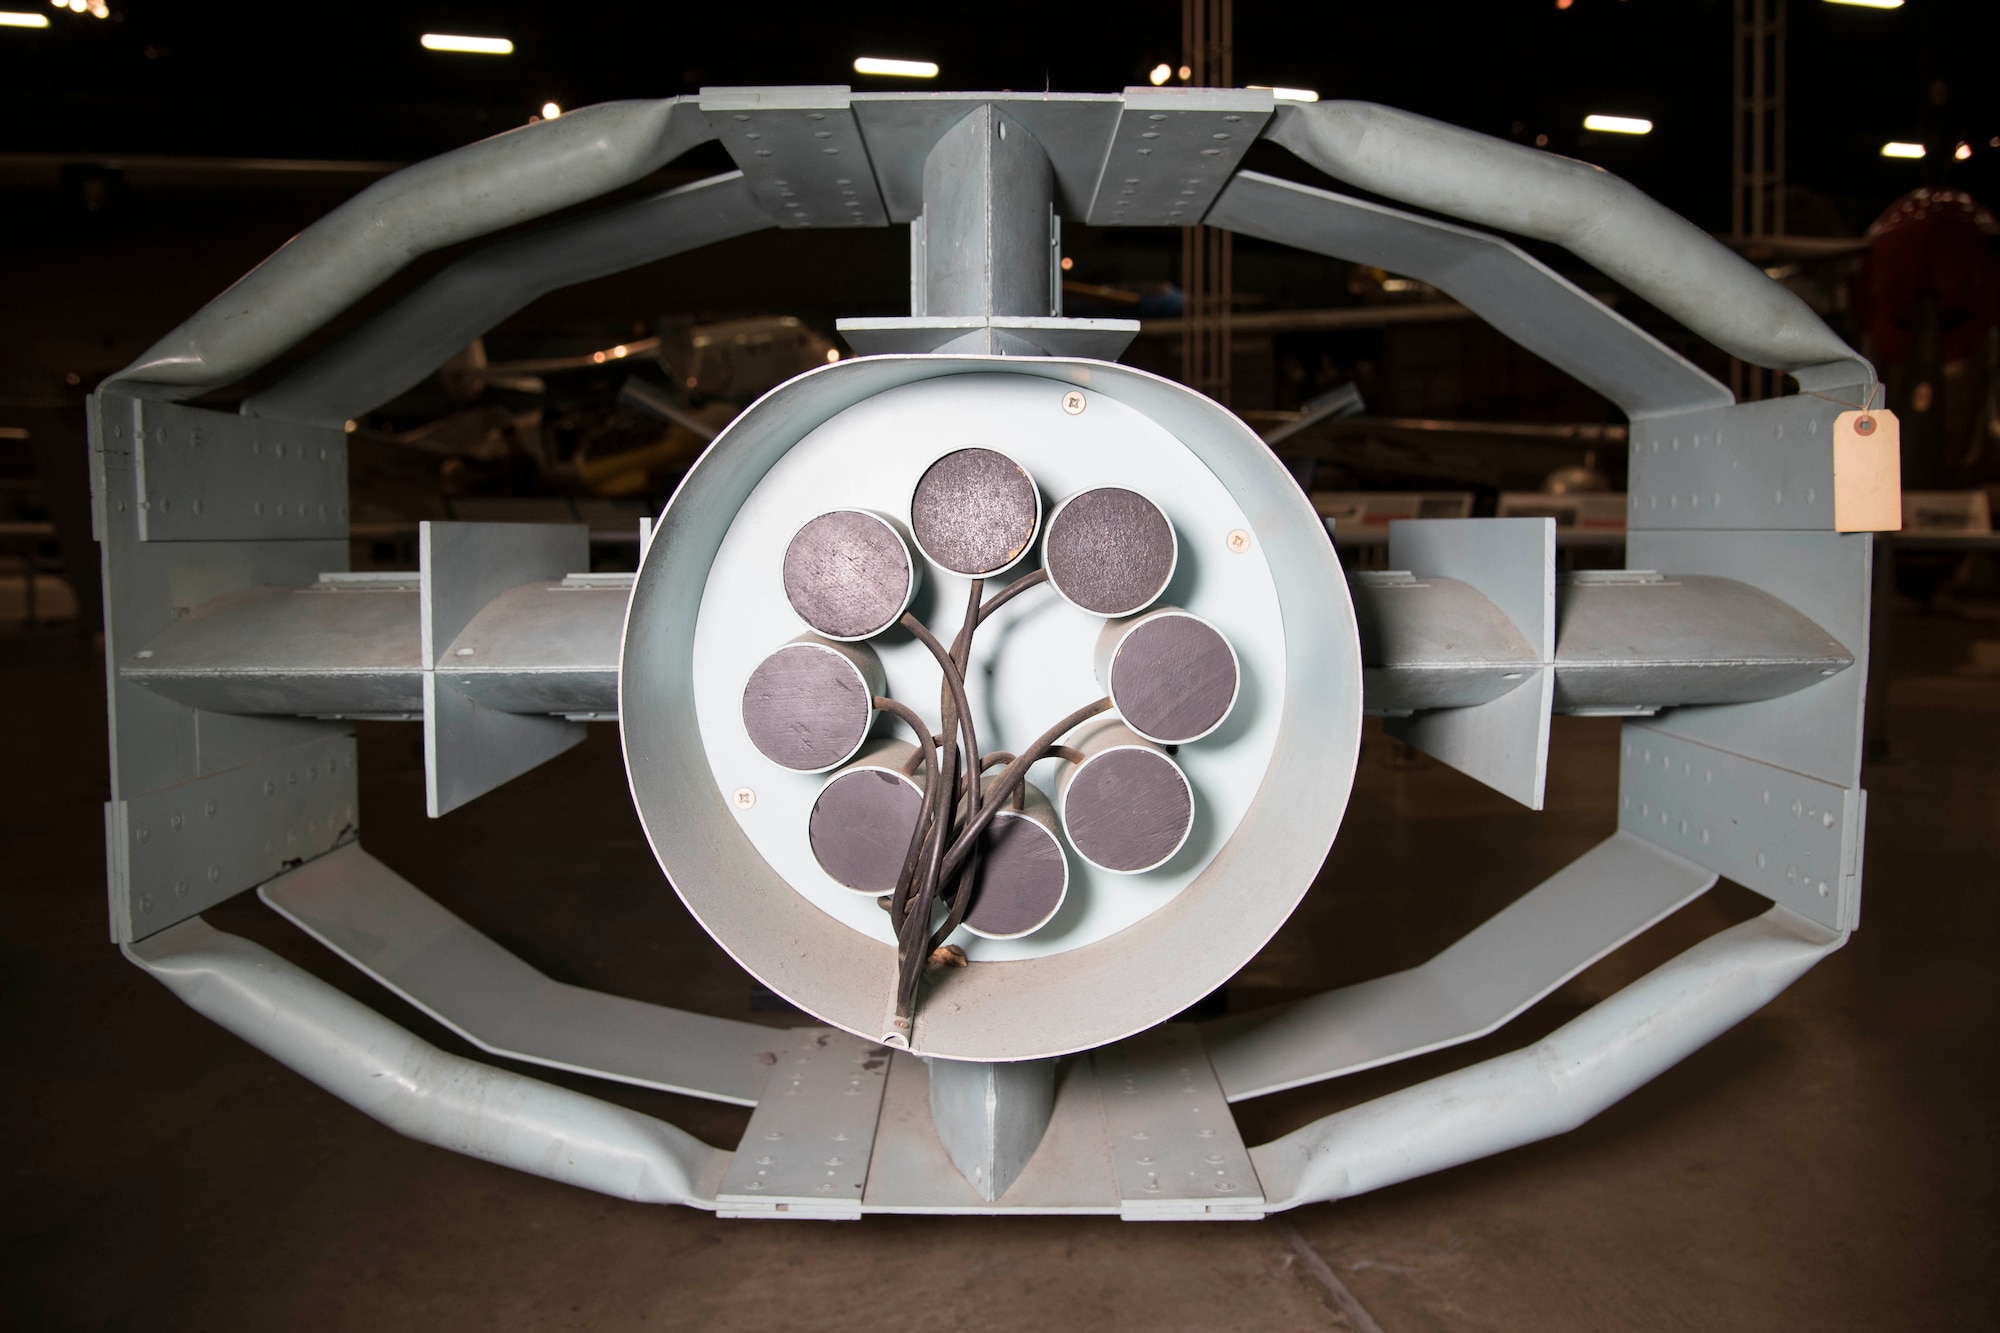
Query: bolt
{"type": "Point", "coordinates": [1074, 402]}
{"type": "Point", "coordinates": [744, 798]}
{"type": "Point", "coordinates": [1239, 541]}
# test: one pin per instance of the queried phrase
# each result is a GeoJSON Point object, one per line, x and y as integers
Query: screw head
{"type": "Point", "coordinates": [1074, 402]}
{"type": "Point", "coordinates": [743, 798]}
{"type": "Point", "coordinates": [1239, 541]}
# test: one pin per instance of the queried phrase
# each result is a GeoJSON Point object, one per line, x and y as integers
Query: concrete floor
{"type": "Point", "coordinates": [1827, 1165]}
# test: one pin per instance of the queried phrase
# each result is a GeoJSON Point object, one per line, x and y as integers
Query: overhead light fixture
{"type": "Point", "coordinates": [1287, 94]}
{"type": "Point", "coordinates": [1161, 73]}
{"type": "Point", "coordinates": [895, 69]}
{"type": "Point", "coordinates": [1869, 4]}
{"type": "Point", "coordinates": [1902, 150]}
{"type": "Point", "coordinates": [475, 46]}
{"type": "Point", "coordinates": [8, 20]}
{"type": "Point", "coordinates": [1962, 152]}
{"type": "Point", "coordinates": [1618, 124]}
{"type": "Point", "coordinates": [550, 111]}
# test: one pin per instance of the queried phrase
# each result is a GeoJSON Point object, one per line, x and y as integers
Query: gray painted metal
{"type": "Point", "coordinates": [1433, 643]}
{"type": "Point", "coordinates": [469, 749]}
{"type": "Point", "coordinates": [332, 648]}
{"type": "Point", "coordinates": [1601, 219]}
{"type": "Point", "coordinates": [1792, 838]}
{"type": "Point", "coordinates": [1034, 1007]}
{"type": "Point", "coordinates": [1633, 641]}
{"type": "Point", "coordinates": [549, 647]}
{"type": "Point", "coordinates": [1069, 1173]}
{"type": "Point", "coordinates": [1018, 335]}
{"type": "Point", "coordinates": [165, 755]}
{"type": "Point", "coordinates": [389, 929]}
{"type": "Point", "coordinates": [1512, 563]}
{"type": "Point", "coordinates": [988, 220]}
{"type": "Point", "coordinates": [902, 128]}
{"type": "Point", "coordinates": [418, 1090]}
{"type": "Point", "coordinates": [1607, 896]}
{"type": "Point", "coordinates": [513, 177]}
{"type": "Point", "coordinates": [1824, 576]}
{"type": "Point", "coordinates": [1760, 465]}
{"type": "Point", "coordinates": [209, 476]}
{"type": "Point", "coordinates": [1514, 292]}
{"type": "Point", "coordinates": [807, 1148]}
{"type": "Point", "coordinates": [1174, 1146]}
{"type": "Point", "coordinates": [800, 150]}
{"type": "Point", "coordinates": [1172, 152]}
{"type": "Point", "coordinates": [183, 849]}
{"type": "Point", "coordinates": [399, 347]}
{"type": "Point", "coordinates": [1557, 1084]}
{"type": "Point", "coordinates": [990, 1116]}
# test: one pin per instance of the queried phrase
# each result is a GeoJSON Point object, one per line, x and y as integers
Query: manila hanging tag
{"type": "Point", "coordinates": [1867, 472]}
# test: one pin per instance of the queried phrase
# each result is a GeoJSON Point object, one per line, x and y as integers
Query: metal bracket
{"type": "Point", "coordinates": [211, 476]}
{"type": "Point", "coordinates": [1173, 151]}
{"type": "Point", "coordinates": [1792, 838]}
{"type": "Point", "coordinates": [470, 749]}
{"type": "Point", "coordinates": [807, 1149]}
{"type": "Point", "coordinates": [801, 151]}
{"type": "Point", "coordinates": [182, 849]}
{"type": "Point", "coordinates": [1175, 1147]}
{"type": "Point", "coordinates": [388, 928]}
{"type": "Point", "coordinates": [1512, 562]}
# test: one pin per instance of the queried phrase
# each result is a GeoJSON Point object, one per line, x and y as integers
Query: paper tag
{"type": "Point", "coordinates": [1867, 472]}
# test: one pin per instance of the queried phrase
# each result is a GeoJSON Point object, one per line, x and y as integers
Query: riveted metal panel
{"type": "Point", "coordinates": [182, 849]}
{"type": "Point", "coordinates": [807, 1149]}
{"type": "Point", "coordinates": [1792, 838]}
{"type": "Point", "coordinates": [801, 151]}
{"type": "Point", "coordinates": [1756, 465]}
{"type": "Point", "coordinates": [1175, 1148]}
{"type": "Point", "coordinates": [1172, 152]}
{"type": "Point", "coordinates": [214, 476]}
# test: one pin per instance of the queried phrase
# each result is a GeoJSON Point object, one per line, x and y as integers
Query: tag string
{"type": "Point", "coordinates": [1867, 406]}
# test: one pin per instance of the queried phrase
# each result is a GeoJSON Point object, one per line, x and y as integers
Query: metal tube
{"type": "Point", "coordinates": [419, 1091]}
{"type": "Point", "coordinates": [1555, 1085]}
{"type": "Point", "coordinates": [511, 178]}
{"type": "Point", "coordinates": [1662, 257]}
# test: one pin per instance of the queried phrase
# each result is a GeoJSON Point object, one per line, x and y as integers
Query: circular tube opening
{"type": "Point", "coordinates": [1109, 551]}
{"type": "Point", "coordinates": [808, 706]}
{"type": "Point", "coordinates": [975, 512]}
{"type": "Point", "coordinates": [849, 574]}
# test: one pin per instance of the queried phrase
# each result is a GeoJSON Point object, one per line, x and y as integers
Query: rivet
{"type": "Point", "coordinates": [145, 902]}
{"type": "Point", "coordinates": [142, 833]}
{"type": "Point", "coordinates": [180, 888]}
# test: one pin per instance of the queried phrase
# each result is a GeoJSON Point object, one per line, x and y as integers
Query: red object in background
{"type": "Point", "coordinates": [1937, 244]}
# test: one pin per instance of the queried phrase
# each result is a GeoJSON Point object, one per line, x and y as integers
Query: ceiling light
{"type": "Point", "coordinates": [1869, 4]}
{"type": "Point", "coordinates": [477, 46]}
{"type": "Point", "coordinates": [1618, 124]}
{"type": "Point", "coordinates": [895, 69]}
{"type": "Point", "coordinates": [1962, 152]}
{"type": "Point", "coordinates": [8, 20]}
{"type": "Point", "coordinates": [1161, 73]}
{"type": "Point", "coordinates": [1902, 150]}
{"type": "Point", "coordinates": [1187, 72]}
{"type": "Point", "coordinates": [550, 111]}
{"type": "Point", "coordinates": [1287, 94]}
